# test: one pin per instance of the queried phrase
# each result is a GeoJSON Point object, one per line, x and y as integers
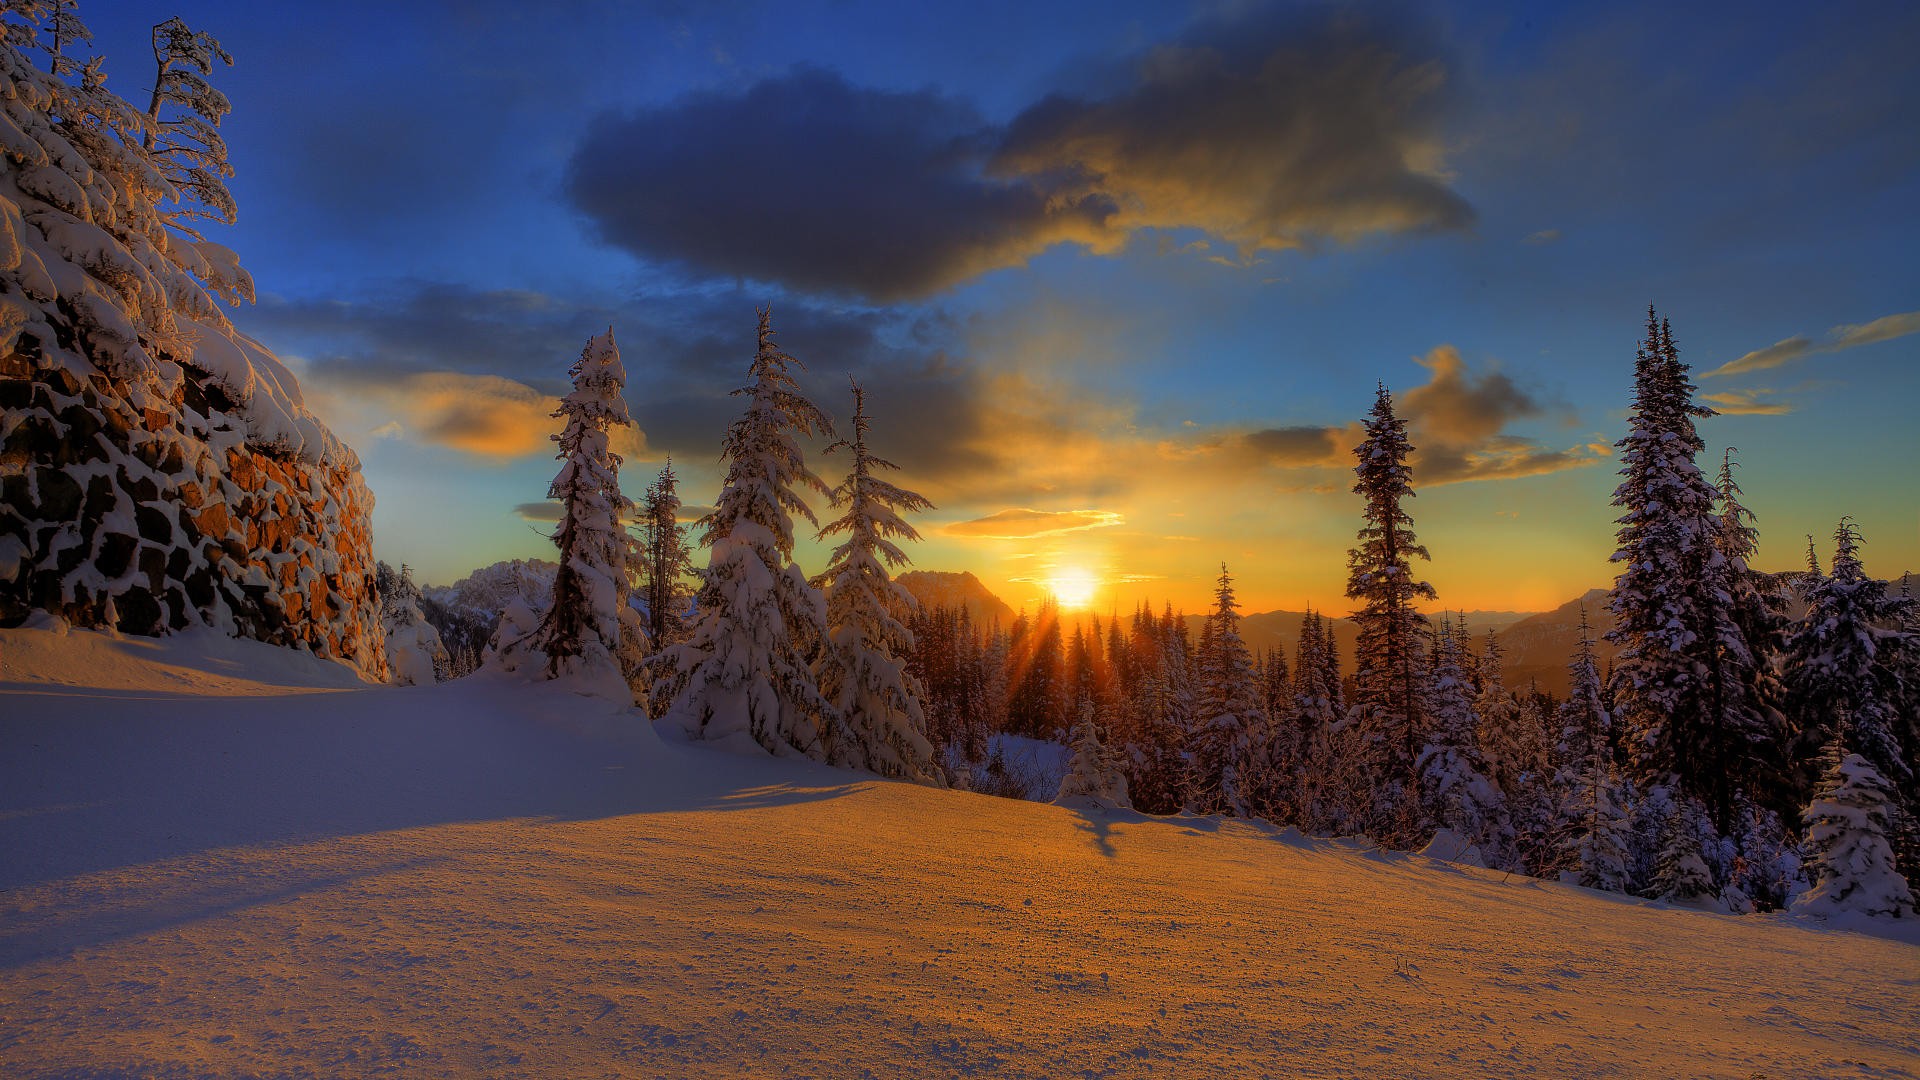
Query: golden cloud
{"type": "Point", "coordinates": [1780, 353]}
{"type": "Point", "coordinates": [1023, 524]}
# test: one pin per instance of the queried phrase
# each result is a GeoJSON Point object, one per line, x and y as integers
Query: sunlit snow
{"type": "Point", "coordinates": [222, 859]}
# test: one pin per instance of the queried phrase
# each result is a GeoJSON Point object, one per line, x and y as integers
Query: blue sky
{"type": "Point", "coordinates": [1137, 267]}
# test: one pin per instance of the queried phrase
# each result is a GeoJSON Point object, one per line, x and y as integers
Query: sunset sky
{"type": "Point", "coordinates": [1120, 278]}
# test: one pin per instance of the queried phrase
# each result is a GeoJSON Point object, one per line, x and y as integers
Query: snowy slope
{"type": "Point", "coordinates": [480, 878]}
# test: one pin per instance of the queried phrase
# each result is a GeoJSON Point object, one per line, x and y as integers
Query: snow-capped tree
{"type": "Point", "coordinates": [665, 560]}
{"type": "Point", "coordinates": [183, 124]}
{"type": "Point", "coordinates": [415, 654]}
{"type": "Point", "coordinates": [1596, 836]}
{"type": "Point", "coordinates": [862, 672]}
{"type": "Point", "coordinates": [1840, 661]}
{"type": "Point", "coordinates": [1455, 792]}
{"type": "Point", "coordinates": [1226, 771]}
{"type": "Point", "coordinates": [1680, 871]}
{"type": "Point", "coordinates": [64, 30]}
{"type": "Point", "coordinates": [1850, 861]}
{"type": "Point", "coordinates": [589, 626]}
{"type": "Point", "coordinates": [744, 676]}
{"type": "Point", "coordinates": [1683, 680]}
{"type": "Point", "coordinates": [1095, 774]}
{"type": "Point", "coordinates": [1390, 673]}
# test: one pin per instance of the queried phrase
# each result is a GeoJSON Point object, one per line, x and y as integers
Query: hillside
{"type": "Point", "coordinates": [941, 588]}
{"type": "Point", "coordinates": [221, 859]}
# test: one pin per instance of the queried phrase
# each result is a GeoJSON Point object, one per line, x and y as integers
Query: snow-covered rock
{"type": "Point", "coordinates": [160, 469]}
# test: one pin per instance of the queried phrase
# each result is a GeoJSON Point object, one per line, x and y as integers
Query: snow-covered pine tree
{"type": "Point", "coordinates": [665, 560]}
{"type": "Point", "coordinates": [1454, 789]}
{"type": "Point", "coordinates": [1840, 661]}
{"type": "Point", "coordinates": [1095, 774]}
{"type": "Point", "coordinates": [1850, 861]}
{"type": "Point", "coordinates": [590, 628]}
{"type": "Point", "coordinates": [1678, 681]}
{"type": "Point", "coordinates": [1600, 843]}
{"type": "Point", "coordinates": [1389, 675]}
{"type": "Point", "coordinates": [183, 125]}
{"type": "Point", "coordinates": [1680, 871]}
{"type": "Point", "coordinates": [744, 676]}
{"type": "Point", "coordinates": [415, 654]}
{"type": "Point", "coordinates": [64, 30]}
{"type": "Point", "coordinates": [1595, 833]}
{"type": "Point", "coordinates": [862, 672]}
{"type": "Point", "coordinates": [1226, 751]}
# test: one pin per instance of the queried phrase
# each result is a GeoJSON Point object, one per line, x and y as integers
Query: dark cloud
{"type": "Point", "coordinates": [1502, 457]}
{"type": "Point", "coordinates": [546, 510]}
{"type": "Point", "coordinates": [478, 369]}
{"type": "Point", "coordinates": [1272, 136]}
{"type": "Point", "coordinates": [808, 181]}
{"type": "Point", "coordinates": [1268, 136]}
{"type": "Point", "coordinates": [1288, 447]}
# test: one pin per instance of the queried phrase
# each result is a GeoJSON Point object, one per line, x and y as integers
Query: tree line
{"type": "Point", "coordinates": [1730, 755]}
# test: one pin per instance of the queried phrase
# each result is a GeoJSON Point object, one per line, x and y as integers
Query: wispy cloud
{"type": "Point", "coordinates": [1780, 353]}
{"type": "Point", "coordinates": [1544, 236]}
{"type": "Point", "coordinates": [1757, 402]}
{"type": "Point", "coordinates": [1023, 524]}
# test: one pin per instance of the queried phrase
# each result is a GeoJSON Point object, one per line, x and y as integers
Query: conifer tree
{"type": "Point", "coordinates": [1680, 871]}
{"type": "Point", "coordinates": [1841, 661]}
{"type": "Point", "coordinates": [744, 676]}
{"type": "Point", "coordinates": [1225, 752]}
{"type": "Point", "coordinates": [1596, 835]}
{"type": "Point", "coordinates": [665, 559]}
{"type": "Point", "coordinates": [1095, 774]}
{"type": "Point", "coordinates": [1682, 680]}
{"type": "Point", "coordinates": [589, 626]}
{"type": "Point", "coordinates": [862, 673]}
{"type": "Point", "coordinates": [1454, 787]}
{"type": "Point", "coordinates": [1847, 826]}
{"type": "Point", "coordinates": [1390, 668]}
{"type": "Point", "coordinates": [183, 125]}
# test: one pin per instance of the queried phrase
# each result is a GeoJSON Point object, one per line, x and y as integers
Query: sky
{"type": "Point", "coordinates": [1120, 279]}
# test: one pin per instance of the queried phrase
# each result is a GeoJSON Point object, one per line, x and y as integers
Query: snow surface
{"type": "Point", "coordinates": [238, 863]}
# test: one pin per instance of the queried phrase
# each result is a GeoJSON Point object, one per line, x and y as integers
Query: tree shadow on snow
{"type": "Point", "coordinates": [109, 780]}
{"type": "Point", "coordinates": [86, 915]}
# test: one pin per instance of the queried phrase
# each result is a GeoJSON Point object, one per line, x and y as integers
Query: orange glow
{"type": "Point", "coordinates": [1073, 588]}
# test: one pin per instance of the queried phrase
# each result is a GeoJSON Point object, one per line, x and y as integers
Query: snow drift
{"type": "Point", "coordinates": [233, 860]}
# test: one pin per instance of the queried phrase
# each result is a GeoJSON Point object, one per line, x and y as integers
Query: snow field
{"type": "Point", "coordinates": [270, 871]}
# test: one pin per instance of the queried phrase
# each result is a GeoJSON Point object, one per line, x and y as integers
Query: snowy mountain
{"type": "Point", "coordinates": [466, 612]}
{"type": "Point", "coordinates": [224, 860]}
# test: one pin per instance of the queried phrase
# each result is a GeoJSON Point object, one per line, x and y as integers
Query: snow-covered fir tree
{"type": "Point", "coordinates": [744, 676]}
{"type": "Point", "coordinates": [1682, 681]}
{"type": "Point", "coordinates": [666, 563]}
{"type": "Point", "coordinates": [1595, 834]}
{"type": "Point", "coordinates": [1226, 752]}
{"type": "Point", "coordinates": [1841, 661]}
{"type": "Point", "coordinates": [1680, 871]}
{"type": "Point", "coordinates": [862, 673]}
{"type": "Point", "coordinates": [1850, 861]}
{"type": "Point", "coordinates": [415, 654]}
{"type": "Point", "coordinates": [1095, 774]}
{"type": "Point", "coordinates": [1454, 788]}
{"type": "Point", "coordinates": [1389, 674]}
{"type": "Point", "coordinates": [182, 131]}
{"type": "Point", "coordinates": [589, 627]}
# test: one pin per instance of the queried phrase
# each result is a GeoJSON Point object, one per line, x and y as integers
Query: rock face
{"type": "Point", "coordinates": [158, 468]}
{"type": "Point", "coordinates": [154, 515]}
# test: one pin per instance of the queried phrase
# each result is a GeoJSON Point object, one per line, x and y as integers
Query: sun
{"type": "Point", "coordinates": [1073, 588]}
